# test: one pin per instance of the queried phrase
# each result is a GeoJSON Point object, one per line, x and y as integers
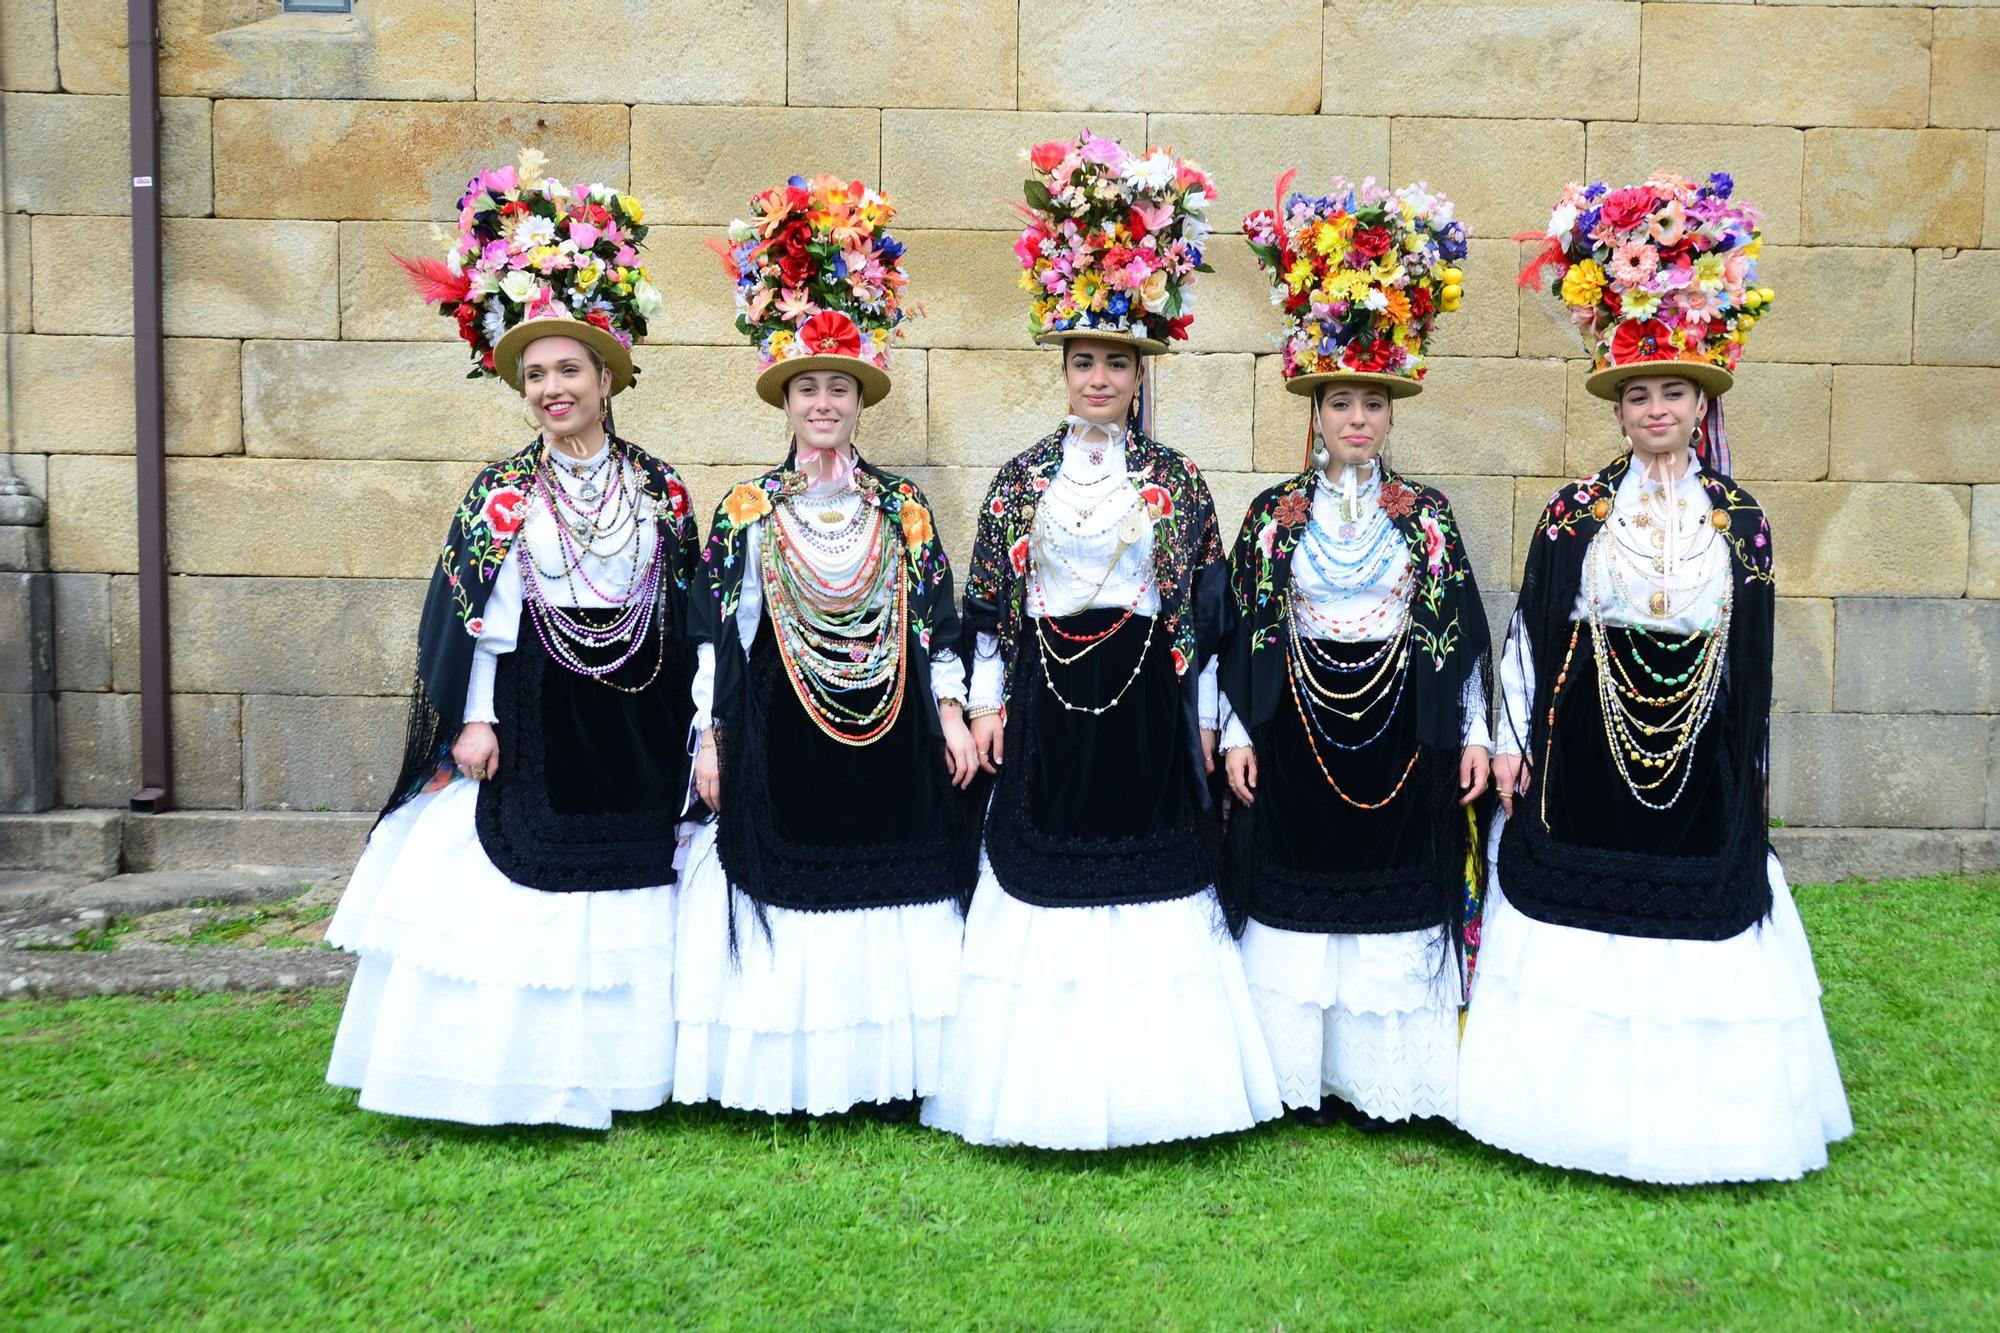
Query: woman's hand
{"type": "Point", "coordinates": [989, 740]}
{"type": "Point", "coordinates": [708, 771]}
{"type": "Point", "coordinates": [961, 755]}
{"type": "Point", "coordinates": [1241, 765]}
{"type": "Point", "coordinates": [477, 751]}
{"type": "Point", "coordinates": [1208, 749]}
{"type": "Point", "coordinates": [1474, 767]}
{"type": "Point", "coordinates": [1510, 778]}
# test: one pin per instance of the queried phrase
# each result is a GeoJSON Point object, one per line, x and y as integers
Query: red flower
{"type": "Point", "coordinates": [796, 267]}
{"type": "Point", "coordinates": [1018, 554]}
{"type": "Point", "coordinates": [1177, 327]}
{"type": "Point", "coordinates": [1157, 501]}
{"type": "Point", "coordinates": [1645, 340]}
{"type": "Point", "coordinates": [1180, 663]}
{"type": "Point", "coordinates": [505, 508]}
{"type": "Point", "coordinates": [1047, 156]}
{"type": "Point", "coordinates": [997, 507]}
{"type": "Point", "coordinates": [677, 498]}
{"type": "Point", "coordinates": [1398, 499]}
{"type": "Point", "coordinates": [1626, 209]}
{"type": "Point", "coordinates": [600, 319]}
{"type": "Point", "coordinates": [1372, 242]}
{"type": "Point", "coordinates": [830, 332]}
{"type": "Point", "coordinates": [1293, 509]}
{"type": "Point", "coordinates": [1371, 356]}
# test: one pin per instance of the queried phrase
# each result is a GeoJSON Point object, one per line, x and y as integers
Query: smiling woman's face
{"type": "Point", "coordinates": [822, 407]}
{"type": "Point", "coordinates": [1657, 413]}
{"type": "Point", "coordinates": [1102, 378]}
{"type": "Point", "coordinates": [564, 385]}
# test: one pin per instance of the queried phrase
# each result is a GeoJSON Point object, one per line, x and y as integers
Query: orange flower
{"type": "Point", "coordinates": [916, 523]}
{"type": "Point", "coordinates": [746, 504]}
{"type": "Point", "coordinates": [1398, 309]}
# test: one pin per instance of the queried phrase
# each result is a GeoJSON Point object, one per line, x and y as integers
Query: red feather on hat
{"type": "Point", "coordinates": [434, 280]}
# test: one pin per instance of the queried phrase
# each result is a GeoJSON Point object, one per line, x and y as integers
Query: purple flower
{"type": "Point", "coordinates": [1720, 184]}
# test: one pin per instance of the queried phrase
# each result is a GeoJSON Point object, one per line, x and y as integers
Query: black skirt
{"type": "Point", "coordinates": [811, 824]}
{"type": "Point", "coordinates": [1098, 809]}
{"type": "Point", "coordinates": [592, 779]}
{"type": "Point", "coordinates": [1606, 861]}
{"type": "Point", "coordinates": [1318, 863]}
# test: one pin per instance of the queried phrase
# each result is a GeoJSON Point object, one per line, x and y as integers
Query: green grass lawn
{"type": "Point", "coordinates": [179, 1161]}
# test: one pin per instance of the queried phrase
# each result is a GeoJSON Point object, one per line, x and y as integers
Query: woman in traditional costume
{"type": "Point", "coordinates": [1354, 688]}
{"type": "Point", "coordinates": [1646, 1004]}
{"type": "Point", "coordinates": [514, 908]}
{"type": "Point", "coordinates": [820, 920]}
{"type": "Point", "coordinates": [1103, 1001]}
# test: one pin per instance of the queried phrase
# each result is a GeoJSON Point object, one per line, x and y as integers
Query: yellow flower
{"type": "Point", "coordinates": [1088, 291]}
{"type": "Point", "coordinates": [746, 504]}
{"type": "Point", "coordinates": [1299, 274]}
{"type": "Point", "coordinates": [587, 277]}
{"type": "Point", "coordinates": [1583, 284]}
{"type": "Point", "coordinates": [1708, 272]}
{"type": "Point", "coordinates": [780, 340]}
{"type": "Point", "coordinates": [1328, 240]}
{"type": "Point", "coordinates": [1028, 282]}
{"type": "Point", "coordinates": [633, 208]}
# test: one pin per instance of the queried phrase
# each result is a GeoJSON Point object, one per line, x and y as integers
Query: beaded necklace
{"type": "Point", "coordinates": [1306, 661]}
{"type": "Point", "coordinates": [566, 631]}
{"type": "Point", "coordinates": [838, 636]}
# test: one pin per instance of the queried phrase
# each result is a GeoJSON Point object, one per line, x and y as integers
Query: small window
{"type": "Point", "coordinates": [319, 6]}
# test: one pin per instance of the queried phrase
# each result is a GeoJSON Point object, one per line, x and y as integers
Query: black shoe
{"type": "Point", "coordinates": [1366, 1123]}
{"type": "Point", "coordinates": [898, 1112]}
{"type": "Point", "coordinates": [1319, 1117]}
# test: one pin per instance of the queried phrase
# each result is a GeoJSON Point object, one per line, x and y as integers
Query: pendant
{"type": "Point", "coordinates": [1097, 458]}
{"type": "Point", "coordinates": [1660, 539]}
{"type": "Point", "coordinates": [829, 516]}
{"type": "Point", "coordinates": [1659, 564]}
{"type": "Point", "coordinates": [1642, 520]}
{"type": "Point", "coordinates": [588, 491]}
{"type": "Point", "coordinates": [1347, 532]}
{"type": "Point", "coordinates": [1658, 603]}
{"type": "Point", "coordinates": [1129, 531]}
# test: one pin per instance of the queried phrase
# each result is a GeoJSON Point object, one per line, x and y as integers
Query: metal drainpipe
{"type": "Point", "coordinates": [148, 385]}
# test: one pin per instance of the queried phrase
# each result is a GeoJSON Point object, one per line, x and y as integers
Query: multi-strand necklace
{"type": "Point", "coordinates": [1066, 532]}
{"type": "Point", "coordinates": [838, 633]}
{"type": "Point", "coordinates": [603, 520]}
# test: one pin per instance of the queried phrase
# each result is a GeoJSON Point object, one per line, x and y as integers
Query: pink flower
{"type": "Point", "coordinates": [1103, 152]}
{"type": "Point", "coordinates": [501, 180]}
{"type": "Point", "coordinates": [1433, 541]}
{"type": "Point", "coordinates": [1267, 537]}
{"type": "Point", "coordinates": [585, 235]}
{"type": "Point", "coordinates": [626, 257]}
{"type": "Point", "coordinates": [795, 307]}
{"type": "Point", "coordinates": [1668, 224]}
{"type": "Point", "coordinates": [1048, 156]}
{"type": "Point", "coordinates": [1634, 262]}
{"type": "Point", "coordinates": [475, 627]}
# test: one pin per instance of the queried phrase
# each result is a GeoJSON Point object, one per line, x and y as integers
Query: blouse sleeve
{"type": "Point", "coordinates": [498, 633]}
{"type": "Point", "coordinates": [1517, 689]}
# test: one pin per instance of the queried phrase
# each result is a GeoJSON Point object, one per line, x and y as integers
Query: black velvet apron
{"type": "Point", "coordinates": [592, 779]}
{"type": "Point", "coordinates": [814, 825]}
{"type": "Point", "coordinates": [1605, 861]}
{"type": "Point", "coordinates": [1099, 809]}
{"type": "Point", "coordinates": [1320, 863]}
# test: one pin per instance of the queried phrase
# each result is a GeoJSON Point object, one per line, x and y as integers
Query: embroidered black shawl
{"type": "Point", "coordinates": [482, 531]}
{"type": "Point", "coordinates": [1637, 890]}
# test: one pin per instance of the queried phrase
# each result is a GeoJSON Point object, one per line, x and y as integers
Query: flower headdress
{"type": "Point", "coordinates": [1361, 274]}
{"type": "Point", "coordinates": [1113, 242]}
{"type": "Point", "coordinates": [1660, 272]}
{"type": "Point", "coordinates": [819, 283]}
{"type": "Point", "coordinates": [535, 258]}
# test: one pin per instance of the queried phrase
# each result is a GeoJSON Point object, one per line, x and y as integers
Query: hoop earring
{"type": "Point", "coordinates": [1696, 438]}
{"type": "Point", "coordinates": [1321, 456]}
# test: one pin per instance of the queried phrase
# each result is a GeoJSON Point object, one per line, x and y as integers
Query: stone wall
{"type": "Point", "coordinates": [319, 425]}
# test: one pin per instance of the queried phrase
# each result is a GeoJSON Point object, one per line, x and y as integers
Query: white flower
{"type": "Point", "coordinates": [741, 231]}
{"type": "Point", "coordinates": [1197, 201]}
{"type": "Point", "coordinates": [646, 297]}
{"type": "Point", "coordinates": [533, 231]}
{"type": "Point", "coordinates": [1376, 299]}
{"type": "Point", "coordinates": [518, 285]}
{"type": "Point", "coordinates": [1155, 171]}
{"type": "Point", "coordinates": [485, 281]}
{"type": "Point", "coordinates": [1562, 220]}
{"type": "Point", "coordinates": [494, 322]}
{"type": "Point", "coordinates": [532, 163]}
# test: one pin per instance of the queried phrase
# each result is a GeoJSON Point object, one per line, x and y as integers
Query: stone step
{"type": "Point", "coordinates": [225, 839]}
{"type": "Point", "coordinates": [164, 970]}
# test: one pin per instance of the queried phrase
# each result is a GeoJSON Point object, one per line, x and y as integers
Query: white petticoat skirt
{"type": "Point", "coordinates": [1370, 1019]}
{"type": "Point", "coordinates": [826, 1011]}
{"type": "Point", "coordinates": [481, 1001]}
{"type": "Point", "coordinates": [1678, 1062]}
{"type": "Point", "coordinates": [1100, 1027]}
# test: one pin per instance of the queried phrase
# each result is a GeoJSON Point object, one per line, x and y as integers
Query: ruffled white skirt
{"type": "Point", "coordinates": [1678, 1062]}
{"type": "Point", "coordinates": [825, 1011]}
{"type": "Point", "coordinates": [1100, 1027]}
{"type": "Point", "coordinates": [481, 1001]}
{"type": "Point", "coordinates": [1370, 1019]}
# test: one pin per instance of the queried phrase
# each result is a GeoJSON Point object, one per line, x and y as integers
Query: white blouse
{"type": "Point", "coordinates": [1347, 514]}
{"type": "Point", "coordinates": [601, 580]}
{"type": "Point", "coordinates": [1658, 563]}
